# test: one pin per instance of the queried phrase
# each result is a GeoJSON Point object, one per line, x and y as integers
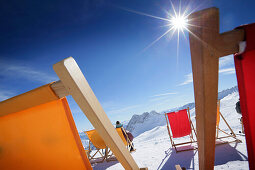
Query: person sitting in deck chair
{"type": "Point", "coordinates": [129, 134]}
{"type": "Point", "coordinates": [238, 110]}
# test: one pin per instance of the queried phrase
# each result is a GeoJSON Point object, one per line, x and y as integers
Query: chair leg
{"type": "Point", "coordinates": [233, 135]}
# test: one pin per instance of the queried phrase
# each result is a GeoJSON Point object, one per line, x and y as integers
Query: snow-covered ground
{"type": "Point", "coordinates": [153, 148]}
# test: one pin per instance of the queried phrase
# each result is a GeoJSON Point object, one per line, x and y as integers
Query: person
{"type": "Point", "coordinates": [118, 124]}
{"type": "Point", "coordinates": [129, 134]}
{"type": "Point", "coordinates": [238, 110]}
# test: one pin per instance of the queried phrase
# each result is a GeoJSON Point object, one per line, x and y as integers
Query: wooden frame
{"type": "Point", "coordinates": [106, 153]}
{"type": "Point", "coordinates": [129, 142]}
{"type": "Point", "coordinates": [184, 143]}
{"type": "Point", "coordinates": [206, 46]}
{"type": "Point", "coordinates": [74, 83]}
{"type": "Point", "coordinates": [227, 135]}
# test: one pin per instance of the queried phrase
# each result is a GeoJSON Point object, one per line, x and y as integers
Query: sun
{"type": "Point", "coordinates": [176, 21]}
{"type": "Point", "coordinates": [179, 22]}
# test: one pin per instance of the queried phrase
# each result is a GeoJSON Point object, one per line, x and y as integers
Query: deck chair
{"type": "Point", "coordinates": [102, 151]}
{"type": "Point", "coordinates": [226, 134]}
{"type": "Point", "coordinates": [38, 132]}
{"type": "Point", "coordinates": [181, 125]}
{"type": "Point", "coordinates": [99, 145]}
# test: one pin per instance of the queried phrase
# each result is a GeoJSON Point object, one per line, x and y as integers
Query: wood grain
{"type": "Point", "coordinates": [77, 86]}
{"type": "Point", "coordinates": [205, 64]}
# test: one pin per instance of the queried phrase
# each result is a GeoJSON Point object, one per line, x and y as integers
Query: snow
{"type": "Point", "coordinates": [147, 121]}
{"type": "Point", "coordinates": [153, 148]}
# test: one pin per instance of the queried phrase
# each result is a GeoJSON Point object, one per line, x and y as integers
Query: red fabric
{"type": "Point", "coordinates": [179, 123]}
{"type": "Point", "coordinates": [245, 72]}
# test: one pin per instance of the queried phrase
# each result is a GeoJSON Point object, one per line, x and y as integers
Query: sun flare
{"type": "Point", "coordinates": [176, 21]}
{"type": "Point", "coordinates": [179, 22]}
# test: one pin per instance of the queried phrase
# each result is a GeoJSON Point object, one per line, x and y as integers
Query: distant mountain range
{"type": "Point", "coordinates": [221, 95]}
{"type": "Point", "coordinates": [226, 92]}
{"type": "Point", "coordinates": [137, 124]}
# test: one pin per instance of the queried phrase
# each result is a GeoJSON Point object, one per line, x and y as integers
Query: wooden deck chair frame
{"type": "Point", "coordinates": [129, 142]}
{"type": "Point", "coordinates": [207, 45]}
{"type": "Point", "coordinates": [192, 140]}
{"type": "Point", "coordinates": [106, 153]}
{"type": "Point", "coordinates": [226, 134]}
{"type": "Point", "coordinates": [72, 82]}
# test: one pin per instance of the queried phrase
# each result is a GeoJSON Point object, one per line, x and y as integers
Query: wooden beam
{"type": "Point", "coordinates": [71, 76]}
{"type": "Point", "coordinates": [205, 64]}
{"type": "Point", "coordinates": [228, 42]}
{"type": "Point", "coordinates": [59, 89]}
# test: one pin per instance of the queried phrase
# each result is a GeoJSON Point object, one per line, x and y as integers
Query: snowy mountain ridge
{"type": "Point", "coordinates": [221, 95]}
{"type": "Point", "coordinates": [149, 120]}
{"type": "Point", "coordinates": [226, 92]}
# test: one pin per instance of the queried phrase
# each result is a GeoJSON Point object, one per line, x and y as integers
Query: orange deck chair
{"type": "Point", "coordinates": [101, 150]}
{"type": "Point", "coordinates": [181, 125]}
{"type": "Point", "coordinates": [38, 132]}
{"type": "Point", "coordinates": [218, 130]}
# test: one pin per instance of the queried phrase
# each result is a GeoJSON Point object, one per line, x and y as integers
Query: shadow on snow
{"type": "Point", "coordinates": [184, 159]}
{"type": "Point", "coordinates": [223, 153]}
{"type": "Point", "coordinates": [104, 165]}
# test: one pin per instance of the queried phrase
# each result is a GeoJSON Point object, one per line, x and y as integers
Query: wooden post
{"type": "Point", "coordinates": [205, 65]}
{"type": "Point", "coordinates": [206, 46]}
{"type": "Point", "coordinates": [77, 86]}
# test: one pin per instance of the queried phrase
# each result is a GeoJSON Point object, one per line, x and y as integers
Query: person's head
{"type": "Point", "coordinates": [118, 124]}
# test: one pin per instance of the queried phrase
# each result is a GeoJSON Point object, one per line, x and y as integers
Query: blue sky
{"type": "Point", "coordinates": [109, 44]}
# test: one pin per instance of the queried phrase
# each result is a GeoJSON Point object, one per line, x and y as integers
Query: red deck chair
{"type": "Point", "coordinates": [181, 125]}
{"type": "Point", "coordinates": [245, 72]}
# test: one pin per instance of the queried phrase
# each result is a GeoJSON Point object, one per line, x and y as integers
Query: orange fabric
{"type": "Point", "coordinates": [41, 137]}
{"type": "Point", "coordinates": [27, 100]}
{"type": "Point", "coordinates": [218, 114]}
{"type": "Point", "coordinates": [96, 139]}
{"type": "Point", "coordinates": [121, 136]}
{"type": "Point", "coordinates": [98, 142]}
